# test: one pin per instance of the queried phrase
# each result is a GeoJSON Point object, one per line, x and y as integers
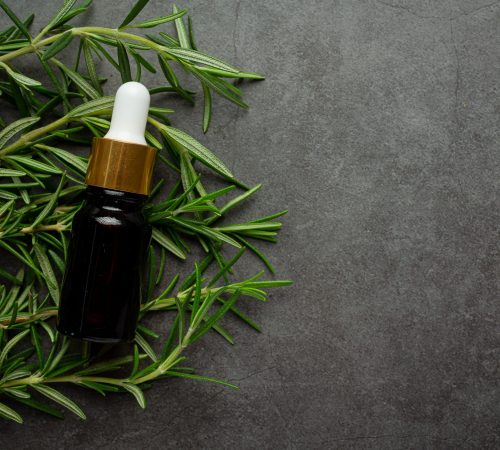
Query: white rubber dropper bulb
{"type": "Point", "coordinates": [130, 113]}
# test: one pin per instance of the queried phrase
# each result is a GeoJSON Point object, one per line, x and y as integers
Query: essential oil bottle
{"type": "Point", "coordinates": [102, 287]}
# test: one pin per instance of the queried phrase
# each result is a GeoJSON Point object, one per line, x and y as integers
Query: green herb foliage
{"type": "Point", "coordinates": [41, 188]}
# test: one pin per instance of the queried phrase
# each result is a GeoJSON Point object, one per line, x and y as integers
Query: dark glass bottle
{"type": "Point", "coordinates": [101, 290]}
{"type": "Point", "coordinates": [101, 293]}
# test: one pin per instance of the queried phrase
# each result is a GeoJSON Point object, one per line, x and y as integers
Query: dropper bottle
{"type": "Point", "coordinates": [102, 287]}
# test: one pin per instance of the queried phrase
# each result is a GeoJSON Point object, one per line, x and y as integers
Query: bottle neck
{"type": "Point", "coordinates": [121, 166]}
{"type": "Point", "coordinates": [126, 201]}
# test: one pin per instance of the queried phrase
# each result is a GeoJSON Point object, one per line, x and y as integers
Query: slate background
{"type": "Point", "coordinates": [378, 127]}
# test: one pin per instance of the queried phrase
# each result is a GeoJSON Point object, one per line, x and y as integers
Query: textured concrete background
{"type": "Point", "coordinates": [378, 127]}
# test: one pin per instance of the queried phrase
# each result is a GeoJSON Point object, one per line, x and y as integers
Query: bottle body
{"type": "Point", "coordinates": [102, 289]}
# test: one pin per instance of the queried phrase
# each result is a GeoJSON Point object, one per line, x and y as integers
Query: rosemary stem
{"type": "Point", "coordinates": [53, 227]}
{"type": "Point", "coordinates": [169, 362]}
{"type": "Point", "coordinates": [4, 324]}
{"type": "Point", "coordinates": [37, 379]}
{"type": "Point", "coordinates": [75, 378]}
{"type": "Point", "coordinates": [29, 137]}
{"type": "Point", "coordinates": [33, 47]}
{"type": "Point", "coordinates": [113, 32]}
{"type": "Point", "coordinates": [32, 379]}
{"type": "Point", "coordinates": [80, 378]}
{"type": "Point", "coordinates": [82, 31]}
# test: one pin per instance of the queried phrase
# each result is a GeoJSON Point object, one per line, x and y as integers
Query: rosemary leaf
{"type": "Point", "coordinates": [60, 398]}
{"type": "Point", "coordinates": [18, 23]}
{"type": "Point", "coordinates": [136, 9]}
{"type": "Point", "coordinates": [158, 21]}
{"type": "Point", "coordinates": [10, 414]}
{"type": "Point", "coordinates": [58, 45]}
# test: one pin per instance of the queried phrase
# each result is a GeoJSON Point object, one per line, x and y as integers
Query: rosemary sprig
{"type": "Point", "coordinates": [41, 189]}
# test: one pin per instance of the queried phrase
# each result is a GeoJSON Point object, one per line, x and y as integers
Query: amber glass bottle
{"type": "Point", "coordinates": [101, 290]}
{"type": "Point", "coordinates": [101, 294]}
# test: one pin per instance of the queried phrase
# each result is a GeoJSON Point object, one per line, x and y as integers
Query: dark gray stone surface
{"type": "Point", "coordinates": [378, 127]}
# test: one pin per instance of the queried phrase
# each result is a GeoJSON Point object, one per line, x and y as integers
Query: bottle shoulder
{"type": "Point", "coordinates": [110, 215]}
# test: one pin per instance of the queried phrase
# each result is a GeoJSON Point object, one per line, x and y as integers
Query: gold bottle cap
{"type": "Point", "coordinates": [122, 166]}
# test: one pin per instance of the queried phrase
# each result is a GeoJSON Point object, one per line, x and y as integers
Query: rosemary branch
{"type": "Point", "coordinates": [41, 190]}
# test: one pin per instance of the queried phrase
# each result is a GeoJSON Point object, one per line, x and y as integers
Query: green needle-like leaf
{"type": "Point", "coordinates": [191, 376]}
{"type": "Point", "coordinates": [134, 12]}
{"type": "Point", "coordinates": [181, 29]}
{"type": "Point", "coordinates": [92, 107]}
{"type": "Point", "coordinates": [198, 57]}
{"type": "Point", "coordinates": [207, 107]}
{"type": "Point", "coordinates": [61, 14]}
{"type": "Point", "coordinates": [30, 163]}
{"type": "Point", "coordinates": [57, 397]}
{"type": "Point", "coordinates": [145, 347]}
{"type": "Point", "coordinates": [214, 318]}
{"type": "Point", "coordinates": [222, 88]}
{"type": "Point", "coordinates": [124, 63]}
{"type": "Point", "coordinates": [197, 150]}
{"type": "Point", "coordinates": [61, 43]}
{"type": "Point", "coordinates": [18, 23]}
{"type": "Point", "coordinates": [48, 272]}
{"type": "Point", "coordinates": [16, 127]}
{"type": "Point", "coordinates": [136, 392]}
{"type": "Point", "coordinates": [49, 206]}
{"type": "Point", "coordinates": [10, 414]}
{"type": "Point", "coordinates": [11, 344]}
{"type": "Point", "coordinates": [19, 78]}
{"type": "Point", "coordinates": [11, 173]}
{"type": "Point", "coordinates": [80, 82]}
{"type": "Point", "coordinates": [167, 243]}
{"type": "Point", "coordinates": [157, 21]}
{"type": "Point", "coordinates": [63, 18]}
{"type": "Point", "coordinates": [91, 67]}
{"type": "Point", "coordinates": [74, 161]}
{"type": "Point", "coordinates": [192, 41]}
